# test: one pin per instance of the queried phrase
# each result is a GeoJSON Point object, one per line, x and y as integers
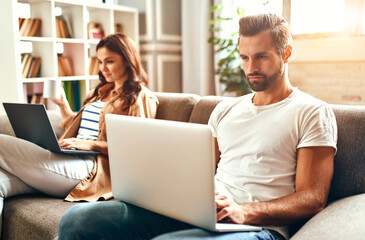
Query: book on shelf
{"type": "Point", "coordinates": [63, 28]}
{"type": "Point", "coordinates": [24, 60]}
{"type": "Point", "coordinates": [35, 67]}
{"type": "Point", "coordinates": [64, 66]}
{"type": "Point", "coordinates": [27, 66]}
{"type": "Point", "coordinates": [25, 27]}
{"type": "Point", "coordinates": [68, 26]}
{"type": "Point", "coordinates": [35, 29]}
{"type": "Point", "coordinates": [30, 65]}
{"type": "Point", "coordinates": [95, 30]}
{"type": "Point", "coordinates": [93, 66]}
{"type": "Point", "coordinates": [76, 95]}
{"type": "Point", "coordinates": [73, 94]}
{"type": "Point", "coordinates": [29, 27]}
{"type": "Point", "coordinates": [118, 28]}
{"type": "Point", "coordinates": [33, 93]}
{"type": "Point", "coordinates": [37, 98]}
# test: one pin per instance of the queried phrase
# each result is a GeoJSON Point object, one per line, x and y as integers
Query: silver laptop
{"type": "Point", "coordinates": [166, 167]}
{"type": "Point", "coordinates": [30, 122]}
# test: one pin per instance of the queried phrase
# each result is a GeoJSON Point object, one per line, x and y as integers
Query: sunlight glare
{"type": "Point", "coordinates": [326, 16]}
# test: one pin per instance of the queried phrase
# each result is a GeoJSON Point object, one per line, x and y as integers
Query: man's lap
{"type": "Point", "coordinates": [119, 220]}
{"type": "Point", "coordinates": [198, 233]}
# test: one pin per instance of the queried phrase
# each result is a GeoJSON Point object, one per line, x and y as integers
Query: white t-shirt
{"type": "Point", "coordinates": [258, 144]}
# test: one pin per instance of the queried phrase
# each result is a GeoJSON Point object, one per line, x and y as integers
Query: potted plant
{"type": "Point", "coordinates": [229, 67]}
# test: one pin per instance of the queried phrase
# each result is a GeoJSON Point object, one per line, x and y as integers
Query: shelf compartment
{"type": "Point", "coordinates": [128, 19]}
{"type": "Point", "coordinates": [74, 52]}
{"type": "Point", "coordinates": [42, 10]}
{"type": "Point", "coordinates": [44, 50]}
{"type": "Point", "coordinates": [101, 16]}
{"type": "Point", "coordinates": [73, 15]}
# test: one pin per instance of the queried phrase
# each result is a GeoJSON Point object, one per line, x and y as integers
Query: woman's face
{"type": "Point", "coordinates": [111, 66]}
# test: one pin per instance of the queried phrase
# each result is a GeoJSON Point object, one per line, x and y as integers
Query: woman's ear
{"type": "Point", "coordinates": [287, 53]}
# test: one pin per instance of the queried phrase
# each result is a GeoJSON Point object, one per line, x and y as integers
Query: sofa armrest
{"type": "Point", "coordinates": [342, 219]}
{"type": "Point", "coordinates": [54, 117]}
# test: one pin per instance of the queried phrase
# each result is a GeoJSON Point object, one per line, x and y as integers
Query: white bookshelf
{"type": "Point", "coordinates": [46, 46]}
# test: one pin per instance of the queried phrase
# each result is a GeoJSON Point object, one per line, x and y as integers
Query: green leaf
{"type": "Point", "coordinates": [216, 8]}
{"type": "Point", "coordinates": [240, 12]}
{"type": "Point", "coordinates": [219, 19]}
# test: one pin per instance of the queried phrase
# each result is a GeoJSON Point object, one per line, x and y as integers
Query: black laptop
{"type": "Point", "coordinates": [30, 122]}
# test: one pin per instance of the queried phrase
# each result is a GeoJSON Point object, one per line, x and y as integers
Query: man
{"type": "Point", "coordinates": [274, 148]}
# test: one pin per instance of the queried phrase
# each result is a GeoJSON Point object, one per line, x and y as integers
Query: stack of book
{"type": "Point", "coordinates": [95, 30]}
{"type": "Point", "coordinates": [33, 93]}
{"type": "Point", "coordinates": [64, 66]}
{"type": "Point", "coordinates": [72, 91]}
{"type": "Point", "coordinates": [30, 65]}
{"type": "Point", "coordinates": [93, 66]}
{"type": "Point", "coordinates": [30, 27]}
{"type": "Point", "coordinates": [63, 27]}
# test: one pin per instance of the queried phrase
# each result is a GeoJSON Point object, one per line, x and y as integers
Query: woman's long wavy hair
{"type": "Point", "coordinates": [124, 46]}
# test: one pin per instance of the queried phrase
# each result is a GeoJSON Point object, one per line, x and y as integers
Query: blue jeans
{"type": "Point", "coordinates": [119, 220]}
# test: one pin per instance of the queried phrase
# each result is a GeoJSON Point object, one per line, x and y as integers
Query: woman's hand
{"type": "Point", "coordinates": [62, 100]}
{"type": "Point", "coordinates": [75, 143]}
{"type": "Point", "coordinates": [81, 144]}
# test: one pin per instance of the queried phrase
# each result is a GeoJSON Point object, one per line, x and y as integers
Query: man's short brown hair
{"type": "Point", "coordinates": [279, 27]}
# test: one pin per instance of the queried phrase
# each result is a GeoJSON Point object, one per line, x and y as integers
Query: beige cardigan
{"type": "Point", "coordinates": [96, 185]}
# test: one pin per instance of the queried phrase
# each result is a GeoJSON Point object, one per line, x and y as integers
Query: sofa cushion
{"type": "Point", "coordinates": [349, 168]}
{"type": "Point", "coordinates": [34, 216]}
{"type": "Point", "coordinates": [5, 127]}
{"type": "Point", "coordinates": [342, 219]}
{"type": "Point", "coordinates": [176, 106]}
{"type": "Point", "coordinates": [204, 108]}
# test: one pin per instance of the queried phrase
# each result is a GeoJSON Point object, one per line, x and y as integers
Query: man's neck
{"type": "Point", "coordinates": [273, 94]}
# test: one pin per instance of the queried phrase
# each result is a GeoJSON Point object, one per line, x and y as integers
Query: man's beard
{"type": "Point", "coordinates": [267, 81]}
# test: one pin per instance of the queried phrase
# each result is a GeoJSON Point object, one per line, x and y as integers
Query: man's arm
{"type": "Point", "coordinates": [217, 153]}
{"type": "Point", "coordinates": [313, 179]}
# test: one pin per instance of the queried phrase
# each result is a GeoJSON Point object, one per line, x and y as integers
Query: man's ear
{"type": "Point", "coordinates": [287, 53]}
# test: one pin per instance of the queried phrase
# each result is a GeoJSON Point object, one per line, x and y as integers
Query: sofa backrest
{"type": "Point", "coordinates": [175, 106]}
{"type": "Point", "coordinates": [349, 169]}
{"type": "Point", "coordinates": [204, 108]}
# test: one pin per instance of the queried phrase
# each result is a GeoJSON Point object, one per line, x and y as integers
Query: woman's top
{"type": "Point", "coordinates": [89, 125]}
{"type": "Point", "coordinates": [97, 185]}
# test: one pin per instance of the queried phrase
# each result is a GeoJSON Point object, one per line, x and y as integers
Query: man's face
{"type": "Point", "coordinates": [261, 61]}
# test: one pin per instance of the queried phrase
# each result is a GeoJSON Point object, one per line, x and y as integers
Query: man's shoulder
{"type": "Point", "coordinates": [233, 101]}
{"type": "Point", "coordinates": [225, 106]}
{"type": "Point", "coordinates": [306, 100]}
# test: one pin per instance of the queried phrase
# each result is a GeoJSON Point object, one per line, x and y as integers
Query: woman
{"type": "Point", "coordinates": [26, 167]}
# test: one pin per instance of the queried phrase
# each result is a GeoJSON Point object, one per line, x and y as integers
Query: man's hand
{"type": "Point", "coordinates": [228, 210]}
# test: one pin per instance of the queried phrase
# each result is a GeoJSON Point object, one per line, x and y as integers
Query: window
{"type": "Point", "coordinates": [259, 6]}
{"type": "Point", "coordinates": [326, 18]}
{"type": "Point", "coordinates": [313, 16]}
{"type": "Point", "coordinates": [251, 7]}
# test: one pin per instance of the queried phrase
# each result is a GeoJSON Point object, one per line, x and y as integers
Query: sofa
{"type": "Point", "coordinates": [37, 216]}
